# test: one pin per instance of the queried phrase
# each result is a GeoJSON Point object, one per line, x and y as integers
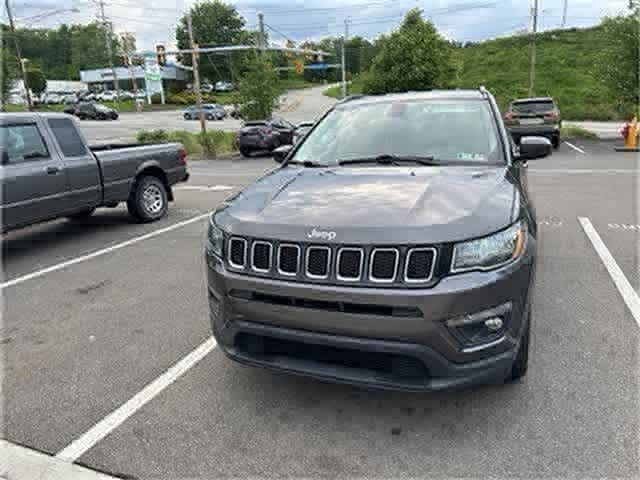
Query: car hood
{"type": "Point", "coordinates": [374, 204]}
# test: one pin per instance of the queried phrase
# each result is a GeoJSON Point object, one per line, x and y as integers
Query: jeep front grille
{"type": "Point", "coordinates": [336, 264]}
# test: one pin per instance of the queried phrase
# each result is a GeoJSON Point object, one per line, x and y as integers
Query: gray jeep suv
{"type": "Point", "coordinates": [388, 250]}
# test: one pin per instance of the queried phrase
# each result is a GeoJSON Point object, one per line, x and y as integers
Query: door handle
{"type": "Point", "coordinates": [53, 170]}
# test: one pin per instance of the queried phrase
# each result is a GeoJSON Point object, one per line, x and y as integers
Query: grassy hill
{"type": "Point", "coordinates": [565, 64]}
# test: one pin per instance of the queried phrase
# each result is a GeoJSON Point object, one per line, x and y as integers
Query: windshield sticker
{"type": "Point", "coordinates": [471, 156]}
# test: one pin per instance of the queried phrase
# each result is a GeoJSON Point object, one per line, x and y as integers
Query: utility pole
{"type": "Point", "coordinates": [344, 59]}
{"type": "Point", "coordinates": [128, 48]}
{"type": "Point", "coordinates": [564, 13]}
{"type": "Point", "coordinates": [107, 41]}
{"type": "Point", "coordinates": [261, 41]}
{"type": "Point", "coordinates": [23, 73]}
{"type": "Point", "coordinates": [534, 30]}
{"type": "Point", "coordinates": [196, 76]}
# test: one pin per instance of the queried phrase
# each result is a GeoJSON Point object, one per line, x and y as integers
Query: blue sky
{"type": "Point", "coordinates": [153, 21]}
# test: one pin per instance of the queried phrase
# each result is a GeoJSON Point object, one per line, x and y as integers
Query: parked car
{"type": "Point", "coordinates": [106, 96]}
{"type": "Point", "coordinates": [224, 86]}
{"type": "Point", "coordinates": [534, 116]}
{"type": "Point", "coordinates": [91, 111]}
{"type": "Point", "coordinates": [126, 95]}
{"type": "Point", "coordinates": [206, 88]}
{"type": "Point", "coordinates": [69, 98]}
{"type": "Point", "coordinates": [263, 135]}
{"type": "Point", "coordinates": [52, 99]}
{"type": "Point", "coordinates": [211, 111]}
{"type": "Point", "coordinates": [301, 130]}
{"type": "Point", "coordinates": [47, 171]}
{"type": "Point", "coordinates": [383, 253]}
{"type": "Point", "coordinates": [141, 94]}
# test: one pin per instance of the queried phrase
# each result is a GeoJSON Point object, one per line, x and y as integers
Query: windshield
{"type": "Point", "coordinates": [446, 130]}
{"type": "Point", "coordinates": [101, 108]}
{"type": "Point", "coordinates": [533, 107]}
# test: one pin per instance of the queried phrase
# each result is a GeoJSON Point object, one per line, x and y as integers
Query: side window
{"type": "Point", "coordinates": [22, 143]}
{"type": "Point", "coordinates": [67, 137]}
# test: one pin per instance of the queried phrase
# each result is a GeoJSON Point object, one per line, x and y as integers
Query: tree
{"type": "Point", "coordinates": [36, 80]}
{"type": "Point", "coordinates": [258, 90]}
{"type": "Point", "coordinates": [414, 57]}
{"type": "Point", "coordinates": [617, 67]}
{"type": "Point", "coordinates": [214, 24]}
{"type": "Point", "coordinates": [9, 73]}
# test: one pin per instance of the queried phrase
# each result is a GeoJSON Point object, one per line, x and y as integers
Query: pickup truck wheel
{"type": "Point", "coordinates": [148, 201]}
{"type": "Point", "coordinates": [82, 215]}
{"type": "Point", "coordinates": [245, 152]}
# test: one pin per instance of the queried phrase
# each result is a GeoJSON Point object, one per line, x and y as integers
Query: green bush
{"type": "Point", "coordinates": [214, 142]}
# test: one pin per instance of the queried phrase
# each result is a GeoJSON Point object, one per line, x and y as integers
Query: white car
{"type": "Point", "coordinates": [107, 96]}
{"type": "Point", "coordinates": [126, 95]}
{"type": "Point", "coordinates": [70, 98]}
{"type": "Point", "coordinates": [206, 88]}
{"type": "Point", "coordinates": [223, 86]}
{"type": "Point", "coordinates": [141, 94]}
{"type": "Point", "coordinates": [52, 99]}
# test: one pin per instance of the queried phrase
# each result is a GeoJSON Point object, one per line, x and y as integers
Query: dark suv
{"type": "Point", "coordinates": [534, 116]}
{"type": "Point", "coordinates": [265, 135]}
{"type": "Point", "coordinates": [388, 250]}
{"type": "Point", "coordinates": [92, 111]}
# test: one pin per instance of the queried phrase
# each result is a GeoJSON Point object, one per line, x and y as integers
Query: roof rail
{"type": "Point", "coordinates": [483, 91]}
{"type": "Point", "coordinates": [349, 98]}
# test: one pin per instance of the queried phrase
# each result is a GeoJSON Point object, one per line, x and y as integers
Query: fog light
{"type": "Point", "coordinates": [494, 324]}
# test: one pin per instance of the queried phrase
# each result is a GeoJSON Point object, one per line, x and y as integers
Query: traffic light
{"type": "Point", "coordinates": [162, 59]}
{"type": "Point", "coordinates": [299, 64]}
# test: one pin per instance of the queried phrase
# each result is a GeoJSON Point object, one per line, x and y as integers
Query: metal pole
{"type": "Point", "coordinates": [344, 60]}
{"type": "Point", "coordinates": [107, 41]}
{"type": "Point", "coordinates": [261, 40]}
{"type": "Point", "coordinates": [196, 77]}
{"type": "Point", "coordinates": [534, 30]}
{"type": "Point", "coordinates": [564, 13]}
{"type": "Point", "coordinates": [23, 72]}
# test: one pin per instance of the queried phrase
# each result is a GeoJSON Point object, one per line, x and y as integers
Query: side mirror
{"type": "Point", "coordinates": [280, 153]}
{"type": "Point", "coordinates": [4, 157]}
{"type": "Point", "coordinates": [534, 147]}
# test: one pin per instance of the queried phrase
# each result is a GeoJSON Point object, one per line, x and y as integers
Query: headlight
{"type": "Point", "coordinates": [490, 252]}
{"type": "Point", "coordinates": [215, 238]}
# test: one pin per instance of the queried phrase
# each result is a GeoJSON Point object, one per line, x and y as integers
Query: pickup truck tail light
{"type": "Point", "coordinates": [553, 115]}
{"type": "Point", "coordinates": [265, 131]}
{"type": "Point", "coordinates": [182, 156]}
{"type": "Point", "coordinates": [509, 116]}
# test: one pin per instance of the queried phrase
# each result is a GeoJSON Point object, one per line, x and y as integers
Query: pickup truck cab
{"type": "Point", "coordinates": [47, 171]}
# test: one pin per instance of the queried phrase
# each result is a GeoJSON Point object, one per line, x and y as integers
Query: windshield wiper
{"type": "Point", "coordinates": [387, 159]}
{"type": "Point", "coordinates": [307, 163]}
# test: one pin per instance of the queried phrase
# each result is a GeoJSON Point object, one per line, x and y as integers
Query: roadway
{"type": "Point", "coordinates": [109, 361]}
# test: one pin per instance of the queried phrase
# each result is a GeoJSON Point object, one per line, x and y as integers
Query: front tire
{"type": "Point", "coordinates": [245, 152]}
{"type": "Point", "coordinates": [149, 200]}
{"type": "Point", "coordinates": [555, 141]}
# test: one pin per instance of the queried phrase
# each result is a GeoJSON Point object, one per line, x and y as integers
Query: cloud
{"type": "Point", "coordinates": [155, 21]}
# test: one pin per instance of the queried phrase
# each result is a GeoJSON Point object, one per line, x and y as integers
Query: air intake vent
{"type": "Point", "coordinates": [384, 265]}
{"type": "Point", "coordinates": [238, 252]}
{"type": "Point", "coordinates": [420, 264]}
{"type": "Point", "coordinates": [261, 256]}
{"type": "Point", "coordinates": [288, 259]}
{"type": "Point", "coordinates": [350, 264]}
{"type": "Point", "coordinates": [318, 260]}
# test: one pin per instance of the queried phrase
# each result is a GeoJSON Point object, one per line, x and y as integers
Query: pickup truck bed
{"type": "Point", "coordinates": [48, 171]}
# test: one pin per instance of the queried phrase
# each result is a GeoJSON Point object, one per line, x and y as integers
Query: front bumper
{"type": "Point", "coordinates": [415, 352]}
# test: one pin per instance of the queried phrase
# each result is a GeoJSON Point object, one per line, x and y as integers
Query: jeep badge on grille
{"type": "Point", "coordinates": [324, 235]}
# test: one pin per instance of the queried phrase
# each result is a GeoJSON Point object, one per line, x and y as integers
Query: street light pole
{"type": "Point", "coordinates": [23, 72]}
{"type": "Point", "coordinates": [534, 30]}
{"type": "Point", "coordinates": [343, 59]}
{"type": "Point", "coordinates": [196, 76]}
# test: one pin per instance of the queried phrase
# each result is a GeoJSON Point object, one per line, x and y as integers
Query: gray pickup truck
{"type": "Point", "coordinates": [47, 171]}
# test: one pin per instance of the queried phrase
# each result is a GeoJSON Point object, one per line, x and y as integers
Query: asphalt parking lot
{"type": "Point", "coordinates": [109, 361]}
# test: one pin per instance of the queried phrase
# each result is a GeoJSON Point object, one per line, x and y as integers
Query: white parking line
{"type": "Point", "coordinates": [78, 447]}
{"type": "Point", "coordinates": [626, 171]}
{"type": "Point", "coordinates": [73, 261]}
{"type": "Point", "coordinates": [577, 149]}
{"type": "Point", "coordinates": [629, 295]}
{"type": "Point", "coordinates": [205, 188]}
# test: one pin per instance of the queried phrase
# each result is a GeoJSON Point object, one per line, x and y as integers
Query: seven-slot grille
{"type": "Point", "coordinates": [376, 265]}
